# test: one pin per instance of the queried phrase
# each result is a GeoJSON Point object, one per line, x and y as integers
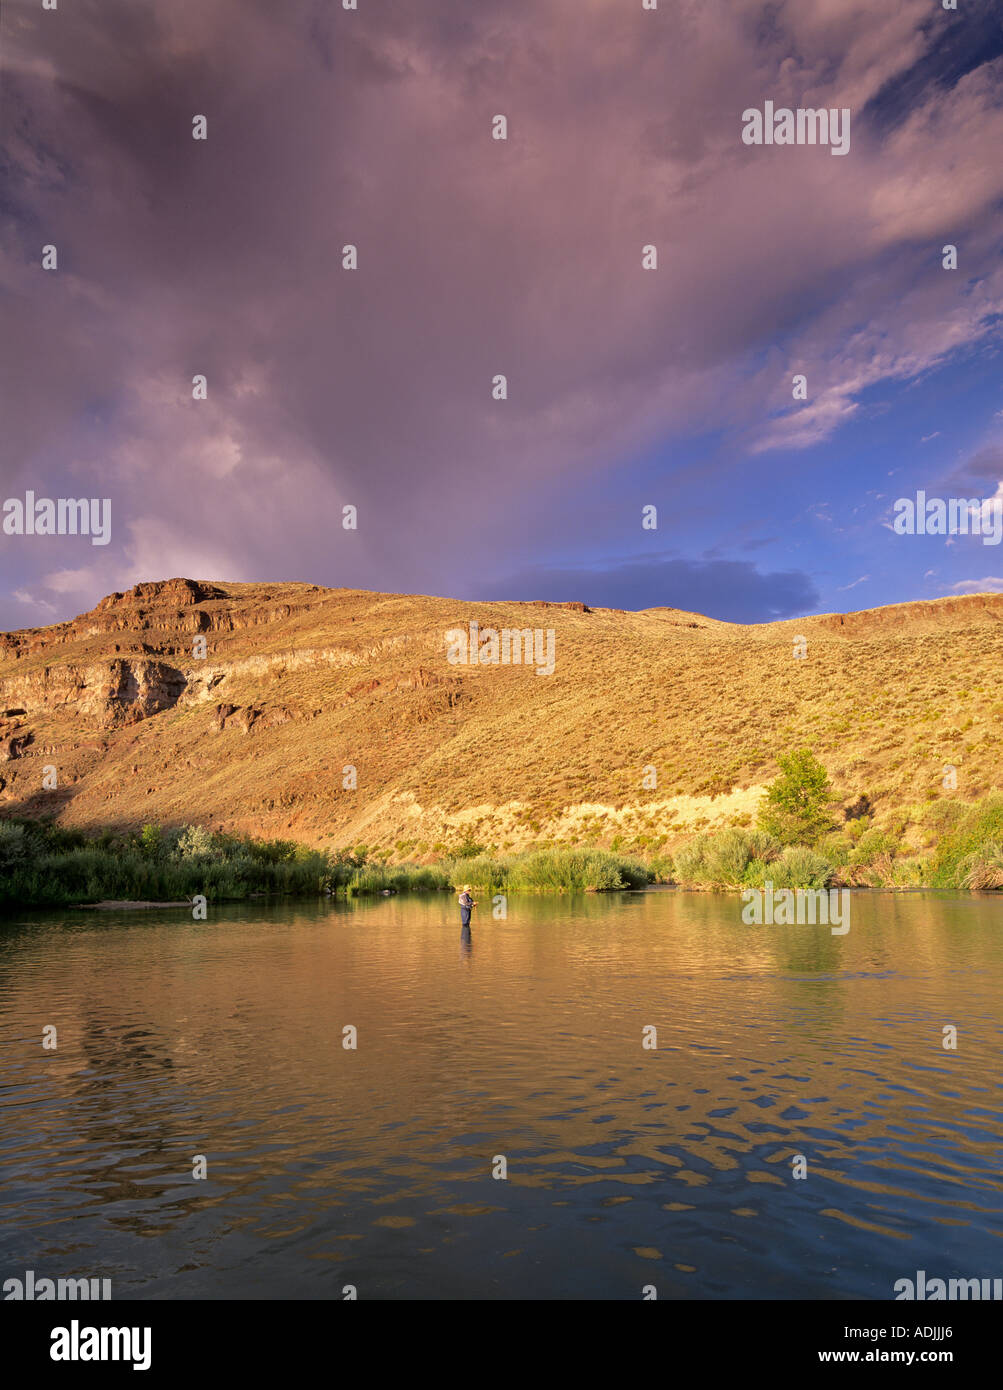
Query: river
{"type": "Point", "coordinates": [522, 1050]}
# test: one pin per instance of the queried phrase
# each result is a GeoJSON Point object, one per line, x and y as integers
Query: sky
{"type": "Point", "coordinates": [627, 388]}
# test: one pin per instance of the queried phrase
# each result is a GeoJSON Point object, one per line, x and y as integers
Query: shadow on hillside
{"type": "Point", "coordinates": [47, 808]}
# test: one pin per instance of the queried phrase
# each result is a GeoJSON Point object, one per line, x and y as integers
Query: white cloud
{"type": "Point", "coordinates": [69, 581]}
{"type": "Point", "coordinates": [23, 596]}
{"type": "Point", "coordinates": [992, 584]}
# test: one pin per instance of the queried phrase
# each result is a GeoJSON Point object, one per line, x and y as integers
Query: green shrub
{"type": "Point", "coordinates": [195, 842]}
{"type": "Point", "coordinates": [763, 845]}
{"type": "Point", "coordinates": [943, 816]}
{"type": "Point", "coordinates": [723, 860]}
{"type": "Point", "coordinates": [151, 839]}
{"type": "Point", "coordinates": [838, 846]}
{"type": "Point", "coordinates": [973, 834]}
{"type": "Point", "coordinates": [485, 873]}
{"type": "Point", "coordinates": [568, 870]}
{"type": "Point", "coordinates": [276, 851]}
{"type": "Point", "coordinates": [797, 867]}
{"type": "Point", "coordinates": [691, 866]}
{"type": "Point", "coordinates": [468, 850]}
{"type": "Point", "coordinates": [726, 857]}
{"type": "Point", "coordinates": [982, 870]}
{"type": "Point", "coordinates": [662, 867]}
{"type": "Point", "coordinates": [910, 873]}
{"type": "Point", "coordinates": [403, 878]}
{"type": "Point", "coordinates": [55, 838]}
{"type": "Point", "coordinates": [13, 846]}
{"type": "Point", "coordinates": [872, 845]}
{"type": "Point", "coordinates": [757, 871]}
{"type": "Point", "coordinates": [796, 807]}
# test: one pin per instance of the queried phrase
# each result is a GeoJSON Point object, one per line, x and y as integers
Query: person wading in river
{"type": "Point", "coordinates": [466, 904]}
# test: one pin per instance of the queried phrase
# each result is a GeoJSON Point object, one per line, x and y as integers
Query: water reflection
{"type": "Point", "coordinates": [626, 1165]}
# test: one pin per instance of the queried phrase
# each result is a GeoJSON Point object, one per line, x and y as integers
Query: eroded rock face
{"type": "Point", "coordinates": [13, 745]}
{"type": "Point", "coordinates": [135, 655]}
{"type": "Point", "coordinates": [942, 612]}
{"type": "Point", "coordinates": [111, 692]}
{"type": "Point", "coordinates": [247, 717]}
{"type": "Point", "coordinates": [423, 679]}
{"type": "Point", "coordinates": [183, 592]}
{"type": "Point", "coordinates": [435, 693]}
{"type": "Point", "coordinates": [160, 618]}
{"type": "Point", "coordinates": [138, 689]}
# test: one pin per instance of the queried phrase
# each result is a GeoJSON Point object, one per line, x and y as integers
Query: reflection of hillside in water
{"type": "Point", "coordinates": [226, 1039]}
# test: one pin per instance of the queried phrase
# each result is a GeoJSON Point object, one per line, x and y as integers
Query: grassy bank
{"type": "Point", "coordinates": [553, 871]}
{"type": "Point", "coordinates": [45, 865]}
{"type": "Point", "coordinates": [964, 851]}
{"type": "Point", "coordinates": [948, 844]}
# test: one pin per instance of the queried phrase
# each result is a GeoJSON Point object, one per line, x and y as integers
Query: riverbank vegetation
{"type": "Point", "coordinates": [43, 864]}
{"type": "Point", "coordinates": [46, 865]}
{"type": "Point", "coordinates": [803, 839]}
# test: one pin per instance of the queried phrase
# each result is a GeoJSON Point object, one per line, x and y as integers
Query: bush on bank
{"type": "Point", "coordinates": [968, 856]}
{"type": "Point", "coordinates": [553, 871]}
{"type": "Point", "coordinates": [44, 865]}
{"type": "Point", "coordinates": [969, 853]}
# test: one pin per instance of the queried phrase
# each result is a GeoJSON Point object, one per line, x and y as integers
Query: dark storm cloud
{"type": "Point", "coordinates": [477, 257]}
{"type": "Point", "coordinates": [733, 590]}
{"type": "Point", "coordinates": [984, 467]}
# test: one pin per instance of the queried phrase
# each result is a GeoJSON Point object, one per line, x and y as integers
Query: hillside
{"type": "Point", "coordinates": [300, 681]}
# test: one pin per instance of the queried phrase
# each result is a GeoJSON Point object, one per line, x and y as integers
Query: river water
{"type": "Point", "coordinates": [627, 1166]}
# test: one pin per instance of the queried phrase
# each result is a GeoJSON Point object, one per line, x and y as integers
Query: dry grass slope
{"type": "Point", "coordinates": [300, 681]}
